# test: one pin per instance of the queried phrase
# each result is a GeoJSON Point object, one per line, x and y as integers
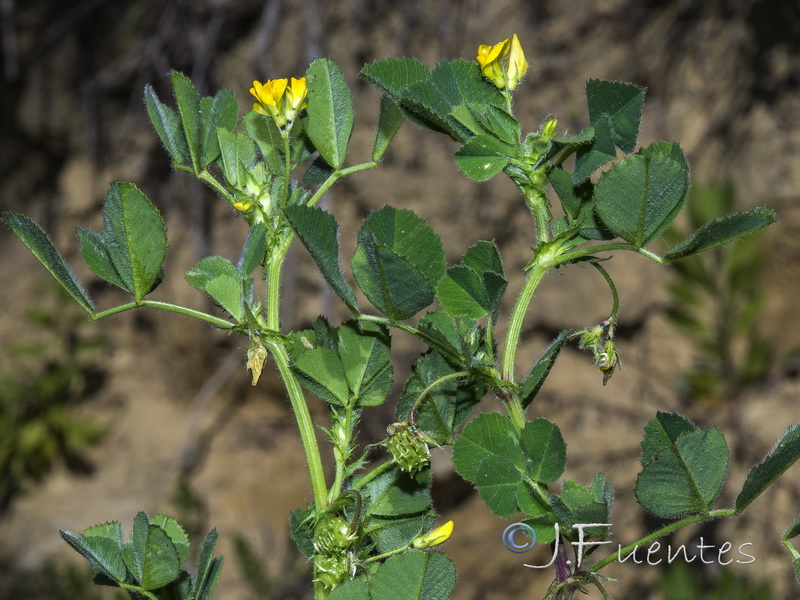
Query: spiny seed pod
{"type": "Point", "coordinates": [331, 570]}
{"type": "Point", "coordinates": [407, 447]}
{"type": "Point", "coordinates": [332, 536]}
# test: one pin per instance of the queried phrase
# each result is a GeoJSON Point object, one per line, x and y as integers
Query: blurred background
{"type": "Point", "coordinates": [148, 411]}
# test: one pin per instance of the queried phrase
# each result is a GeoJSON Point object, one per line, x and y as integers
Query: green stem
{"type": "Point", "coordinates": [208, 178]}
{"type": "Point", "coordinates": [792, 550]}
{"type": "Point", "coordinates": [276, 347]}
{"type": "Point", "coordinates": [341, 453]}
{"type": "Point", "coordinates": [336, 176]}
{"type": "Point", "coordinates": [138, 590]}
{"type": "Point", "coordinates": [430, 341]}
{"type": "Point", "coordinates": [537, 202]}
{"type": "Point", "coordinates": [189, 312]}
{"type": "Point", "coordinates": [615, 306]}
{"type": "Point", "coordinates": [588, 251]}
{"type": "Point", "coordinates": [425, 392]}
{"type": "Point", "coordinates": [381, 468]}
{"type": "Point", "coordinates": [666, 530]}
{"type": "Point", "coordinates": [287, 167]}
{"type": "Point", "coordinates": [534, 278]}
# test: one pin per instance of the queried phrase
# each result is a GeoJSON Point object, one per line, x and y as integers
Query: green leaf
{"type": "Point", "coordinates": [685, 478]}
{"type": "Point", "coordinates": [450, 84]}
{"type": "Point", "coordinates": [355, 589]}
{"type": "Point", "coordinates": [263, 131]}
{"type": "Point", "coordinates": [400, 508]}
{"type": "Point", "coordinates": [161, 562]}
{"type": "Point", "coordinates": [535, 379]}
{"type": "Point", "coordinates": [592, 156]}
{"type": "Point", "coordinates": [794, 529]}
{"type": "Point", "coordinates": [319, 233]}
{"type": "Point", "coordinates": [545, 450]}
{"type": "Point", "coordinates": [497, 480]}
{"type": "Point", "coordinates": [405, 496]}
{"type": "Point", "coordinates": [133, 551]}
{"type": "Point", "coordinates": [393, 75]}
{"type": "Point", "coordinates": [97, 258]}
{"type": "Point", "coordinates": [208, 568]}
{"type": "Point", "coordinates": [778, 460]}
{"type": "Point", "coordinates": [398, 261]}
{"type": "Point", "coordinates": [135, 237]}
{"type": "Point", "coordinates": [221, 111]}
{"type": "Point", "coordinates": [414, 575]}
{"type": "Point", "coordinates": [365, 356]}
{"type": "Point", "coordinates": [167, 125]}
{"type": "Point", "coordinates": [564, 188]}
{"type": "Point", "coordinates": [475, 288]}
{"type": "Point", "coordinates": [539, 514]}
{"type": "Point", "coordinates": [578, 504]}
{"type": "Point", "coordinates": [491, 120]}
{"type": "Point", "coordinates": [638, 196]}
{"type": "Point", "coordinates": [446, 405]}
{"type": "Point", "coordinates": [329, 114]}
{"type": "Point", "coordinates": [392, 285]}
{"type": "Point", "coordinates": [188, 101]}
{"type": "Point", "coordinates": [721, 231]}
{"type": "Point", "coordinates": [622, 103]}
{"type": "Point", "coordinates": [662, 432]}
{"type": "Point", "coordinates": [42, 247]}
{"type": "Point", "coordinates": [102, 552]}
{"type": "Point", "coordinates": [253, 250]}
{"type": "Point", "coordinates": [238, 153]}
{"type": "Point", "coordinates": [322, 373]}
{"type": "Point", "coordinates": [301, 529]}
{"type": "Point", "coordinates": [483, 157]}
{"type": "Point", "coordinates": [390, 118]}
{"type": "Point", "coordinates": [175, 532]}
{"type": "Point", "coordinates": [489, 434]}
{"type": "Point", "coordinates": [221, 280]}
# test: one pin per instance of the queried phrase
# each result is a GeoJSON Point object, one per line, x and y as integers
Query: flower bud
{"type": "Point", "coordinates": [435, 537]}
{"type": "Point", "coordinates": [549, 128]}
{"type": "Point", "coordinates": [517, 64]}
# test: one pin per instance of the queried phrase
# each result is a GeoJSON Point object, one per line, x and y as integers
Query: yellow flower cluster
{"type": "Point", "coordinates": [503, 64]}
{"type": "Point", "coordinates": [279, 99]}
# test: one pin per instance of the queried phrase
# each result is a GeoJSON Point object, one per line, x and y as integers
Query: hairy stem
{"type": "Point", "coordinates": [666, 530]}
{"type": "Point", "coordinates": [336, 176]}
{"type": "Point", "coordinates": [534, 278]}
{"type": "Point", "coordinates": [615, 296]}
{"type": "Point", "coordinates": [295, 392]}
{"type": "Point", "coordinates": [182, 310]}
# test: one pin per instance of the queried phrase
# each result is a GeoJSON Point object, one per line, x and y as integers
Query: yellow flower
{"type": "Point", "coordinates": [517, 65]}
{"type": "Point", "coordinates": [296, 94]}
{"type": "Point", "coordinates": [433, 538]}
{"type": "Point", "coordinates": [269, 96]}
{"type": "Point", "coordinates": [489, 58]}
{"type": "Point", "coordinates": [503, 64]}
{"type": "Point", "coordinates": [243, 206]}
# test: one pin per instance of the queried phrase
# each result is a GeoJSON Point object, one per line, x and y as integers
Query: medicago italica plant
{"type": "Point", "coordinates": [371, 530]}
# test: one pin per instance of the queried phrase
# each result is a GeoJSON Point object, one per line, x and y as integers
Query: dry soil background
{"type": "Point", "coordinates": [723, 78]}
